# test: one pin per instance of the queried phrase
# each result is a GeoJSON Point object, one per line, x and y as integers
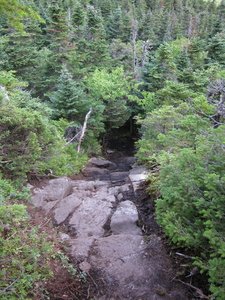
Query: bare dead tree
{"type": "Point", "coordinates": [4, 92]}
{"type": "Point", "coordinates": [133, 43]}
{"type": "Point", "coordinates": [216, 97]}
{"type": "Point", "coordinates": [83, 129]}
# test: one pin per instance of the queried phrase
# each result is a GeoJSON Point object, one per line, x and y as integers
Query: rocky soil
{"type": "Point", "coordinates": [100, 216]}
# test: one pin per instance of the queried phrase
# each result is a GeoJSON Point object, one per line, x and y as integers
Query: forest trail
{"type": "Point", "coordinates": [100, 214]}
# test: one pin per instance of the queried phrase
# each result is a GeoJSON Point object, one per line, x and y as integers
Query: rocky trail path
{"type": "Point", "coordinates": [105, 236]}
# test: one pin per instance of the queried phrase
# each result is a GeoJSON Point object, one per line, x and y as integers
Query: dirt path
{"type": "Point", "coordinates": [107, 232]}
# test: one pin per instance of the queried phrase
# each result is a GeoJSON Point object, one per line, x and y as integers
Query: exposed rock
{"type": "Point", "coordinates": [56, 190]}
{"type": "Point", "coordinates": [65, 207]}
{"type": "Point", "coordinates": [120, 196]}
{"type": "Point", "coordinates": [125, 164]}
{"type": "Point", "coordinates": [109, 151]}
{"type": "Point", "coordinates": [94, 172]}
{"type": "Point", "coordinates": [80, 248]}
{"type": "Point", "coordinates": [48, 206]}
{"type": "Point", "coordinates": [93, 185]}
{"type": "Point", "coordinates": [85, 266]}
{"type": "Point", "coordinates": [119, 177]}
{"type": "Point", "coordinates": [136, 176]}
{"type": "Point", "coordinates": [125, 219]}
{"type": "Point", "coordinates": [64, 236]}
{"type": "Point", "coordinates": [122, 257]}
{"type": "Point", "coordinates": [130, 160]}
{"type": "Point", "coordinates": [107, 239]}
{"type": "Point", "coordinates": [90, 217]}
{"type": "Point", "coordinates": [99, 162]}
{"type": "Point", "coordinates": [29, 186]}
{"type": "Point", "coordinates": [138, 170]}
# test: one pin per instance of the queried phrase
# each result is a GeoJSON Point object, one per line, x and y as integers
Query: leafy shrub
{"type": "Point", "coordinates": [29, 142]}
{"type": "Point", "coordinates": [24, 250]}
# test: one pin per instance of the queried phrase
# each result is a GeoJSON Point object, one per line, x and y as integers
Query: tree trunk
{"type": "Point", "coordinates": [84, 129]}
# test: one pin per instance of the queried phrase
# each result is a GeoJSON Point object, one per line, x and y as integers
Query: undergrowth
{"type": "Point", "coordinates": [26, 251]}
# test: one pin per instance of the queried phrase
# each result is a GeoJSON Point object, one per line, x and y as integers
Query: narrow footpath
{"type": "Point", "coordinates": [104, 234]}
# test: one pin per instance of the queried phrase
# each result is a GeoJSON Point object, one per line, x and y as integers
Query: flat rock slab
{"type": "Point", "coordinates": [90, 218]}
{"type": "Point", "coordinates": [115, 253]}
{"type": "Point", "coordinates": [55, 191]}
{"type": "Point", "coordinates": [136, 176]}
{"type": "Point", "coordinates": [138, 170]}
{"type": "Point", "coordinates": [65, 207]}
{"type": "Point", "coordinates": [128, 267]}
{"type": "Point", "coordinates": [119, 177]}
{"type": "Point", "coordinates": [125, 219]}
{"type": "Point", "coordinates": [81, 247]}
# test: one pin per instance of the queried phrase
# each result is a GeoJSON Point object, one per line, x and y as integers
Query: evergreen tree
{"type": "Point", "coordinates": [216, 49]}
{"type": "Point", "coordinates": [68, 99]}
{"type": "Point", "coordinates": [15, 13]}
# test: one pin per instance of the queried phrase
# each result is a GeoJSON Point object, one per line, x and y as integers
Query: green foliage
{"type": "Point", "coordinates": [68, 266]}
{"type": "Point", "coordinates": [16, 13]}
{"type": "Point", "coordinates": [191, 206]}
{"type": "Point", "coordinates": [30, 141]}
{"type": "Point", "coordinates": [12, 191]}
{"type": "Point", "coordinates": [174, 93]}
{"type": "Point", "coordinates": [63, 160]}
{"type": "Point", "coordinates": [78, 16]}
{"type": "Point", "coordinates": [24, 249]}
{"type": "Point", "coordinates": [146, 101]}
{"type": "Point", "coordinates": [216, 49]}
{"type": "Point", "coordinates": [68, 100]}
{"type": "Point", "coordinates": [110, 90]}
{"type": "Point", "coordinates": [168, 129]}
{"type": "Point", "coordinates": [190, 186]}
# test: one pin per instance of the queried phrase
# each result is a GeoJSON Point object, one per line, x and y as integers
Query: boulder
{"type": "Point", "coordinates": [125, 163]}
{"type": "Point", "coordinates": [85, 266]}
{"type": "Point", "coordinates": [137, 175]}
{"type": "Point", "coordinates": [101, 163]}
{"type": "Point", "coordinates": [138, 170]}
{"type": "Point", "coordinates": [94, 172]}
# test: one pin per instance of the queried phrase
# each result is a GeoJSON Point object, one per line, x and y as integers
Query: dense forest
{"type": "Point", "coordinates": [160, 63]}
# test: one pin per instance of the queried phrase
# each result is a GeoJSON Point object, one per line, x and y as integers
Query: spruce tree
{"type": "Point", "coordinates": [68, 99]}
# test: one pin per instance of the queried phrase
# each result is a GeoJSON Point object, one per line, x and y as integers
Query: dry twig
{"type": "Point", "coordinates": [198, 291]}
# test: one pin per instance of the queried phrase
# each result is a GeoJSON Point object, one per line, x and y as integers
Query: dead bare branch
{"type": "Point", "coordinates": [84, 129]}
{"type": "Point", "coordinates": [7, 161]}
{"type": "Point", "coordinates": [73, 138]}
{"type": "Point", "coordinates": [198, 291]}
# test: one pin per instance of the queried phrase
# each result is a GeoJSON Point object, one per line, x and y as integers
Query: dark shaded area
{"type": "Point", "coordinates": [121, 139]}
